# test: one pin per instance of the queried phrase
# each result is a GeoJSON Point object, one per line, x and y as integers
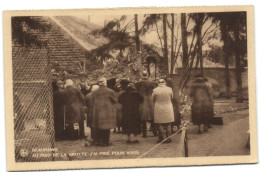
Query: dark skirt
{"type": "Point", "coordinates": [132, 127]}
{"type": "Point", "coordinates": [201, 113]}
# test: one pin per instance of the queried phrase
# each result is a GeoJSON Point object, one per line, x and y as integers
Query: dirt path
{"type": "Point", "coordinates": [229, 139]}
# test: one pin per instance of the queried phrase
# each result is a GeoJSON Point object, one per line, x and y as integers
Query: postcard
{"type": "Point", "coordinates": [129, 87]}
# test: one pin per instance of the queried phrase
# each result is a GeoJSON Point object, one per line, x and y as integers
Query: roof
{"type": "Point", "coordinates": [79, 30]}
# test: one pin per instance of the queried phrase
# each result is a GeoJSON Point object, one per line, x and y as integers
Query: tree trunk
{"type": "Point", "coordinates": [199, 24]}
{"type": "Point", "coordinates": [238, 67]}
{"type": "Point", "coordinates": [227, 54]}
{"type": "Point", "coordinates": [172, 44]}
{"type": "Point", "coordinates": [185, 57]}
{"type": "Point", "coordinates": [165, 49]}
{"type": "Point", "coordinates": [137, 39]}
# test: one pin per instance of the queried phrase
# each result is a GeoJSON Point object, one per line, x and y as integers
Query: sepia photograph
{"type": "Point", "coordinates": [154, 87]}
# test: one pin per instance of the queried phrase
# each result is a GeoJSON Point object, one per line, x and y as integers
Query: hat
{"type": "Point", "coordinates": [102, 81]}
{"type": "Point", "coordinates": [131, 85]}
{"type": "Point", "coordinates": [161, 82]}
{"type": "Point", "coordinates": [94, 87]}
{"type": "Point", "coordinates": [59, 82]}
{"type": "Point", "coordinates": [145, 74]}
{"type": "Point", "coordinates": [69, 82]}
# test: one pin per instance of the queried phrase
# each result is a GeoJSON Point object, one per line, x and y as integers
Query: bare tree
{"type": "Point", "coordinates": [165, 49]}
{"type": "Point", "coordinates": [185, 57]}
{"type": "Point", "coordinates": [172, 44]}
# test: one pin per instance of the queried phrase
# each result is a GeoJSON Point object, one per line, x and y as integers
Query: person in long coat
{"type": "Point", "coordinates": [201, 107]}
{"type": "Point", "coordinates": [118, 91]}
{"type": "Point", "coordinates": [104, 112]}
{"type": "Point", "coordinates": [211, 95]}
{"type": "Point", "coordinates": [176, 101]}
{"type": "Point", "coordinates": [73, 101]}
{"type": "Point", "coordinates": [163, 109]}
{"type": "Point", "coordinates": [89, 105]}
{"type": "Point", "coordinates": [130, 100]}
{"type": "Point", "coordinates": [58, 111]}
{"type": "Point", "coordinates": [145, 88]}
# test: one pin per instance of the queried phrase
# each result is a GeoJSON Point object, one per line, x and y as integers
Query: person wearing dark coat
{"type": "Point", "coordinates": [89, 105]}
{"type": "Point", "coordinates": [176, 102]}
{"type": "Point", "coordinates": [73, 101]}
{"type": "Point", "coordinates": [201, 107]}
{"type": "Point", "coordinates": [130, 100]}
{"type": "Point", "coordinates": [104, 112]}
{"type": "Point", "coordinates": [211, 94]}
{"type": "Point", "coordinates": [118, 91]}
{"type": "Point", "coordinates": [58, 111]}
{"type": "Point", "coordinates": [145, 88]}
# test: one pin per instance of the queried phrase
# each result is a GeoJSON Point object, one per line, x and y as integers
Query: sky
{"type": "Point", "coordinates": [152, 37]}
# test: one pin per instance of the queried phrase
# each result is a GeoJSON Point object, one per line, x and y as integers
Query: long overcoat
{"type": "Point", "coordinates": [118, 110]}
{"type": "Point", "coordinates": [145, 88]}
{"type": "Point", "coordinates": [104, 111]}
{"type": "Point", "coordinates": [201, 108]}
{"type": "Point", "coordinates": [170, 82]}
{"type": "Point", "coordinates": [73, 101]}
{"type": "Point", "coordinates": [131, 121]}
{"type": "Point", "coordinates": [163, 108]}
{"type": "Point", "coordinates": [58, 109]}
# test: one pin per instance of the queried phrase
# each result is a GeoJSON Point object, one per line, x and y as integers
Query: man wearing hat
{"type": "Point", "coordinates": [145, 88]}
{"type": "Point", "coordinates": [73, 101]}
{"type": "Point", "coordinates": [163, 109]}
{"type": "Point", "coordinates": [104, 112]}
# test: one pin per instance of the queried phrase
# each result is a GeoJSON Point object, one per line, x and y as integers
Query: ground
{"type": "Point", "coordinates": [220, 140]}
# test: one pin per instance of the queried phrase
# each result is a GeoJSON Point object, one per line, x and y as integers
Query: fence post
{"type": "Point", "coordinates": [183, 147]}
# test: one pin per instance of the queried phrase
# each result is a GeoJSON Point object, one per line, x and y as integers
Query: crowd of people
{"type": "Point", "coordinates": [126, 110]}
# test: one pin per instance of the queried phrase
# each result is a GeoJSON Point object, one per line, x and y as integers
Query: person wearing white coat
{"type": "Point", "coordinates": [163, 109]}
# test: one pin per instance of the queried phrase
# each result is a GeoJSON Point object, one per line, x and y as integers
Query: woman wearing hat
{"type": "Point", "coordinates": [130, 100]}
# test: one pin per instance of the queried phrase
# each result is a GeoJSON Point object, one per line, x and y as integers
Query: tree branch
{"type": "Point", "coordinates": [159, 37]}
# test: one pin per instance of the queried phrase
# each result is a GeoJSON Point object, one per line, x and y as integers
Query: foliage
{"type": "Point", "coordinates": [118, 38]}
{"type": "Point", "coordinates": [215, 54]}
{"type": "Point", "coordinates": [229, 23]}
{"type": "Point", "coordinates": [23, 29]}
{"type": "Point", "coordinates": [150, 21]}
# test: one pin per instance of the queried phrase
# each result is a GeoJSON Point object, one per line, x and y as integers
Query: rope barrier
{"type": "Point", "coordinates": [150, 150]}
